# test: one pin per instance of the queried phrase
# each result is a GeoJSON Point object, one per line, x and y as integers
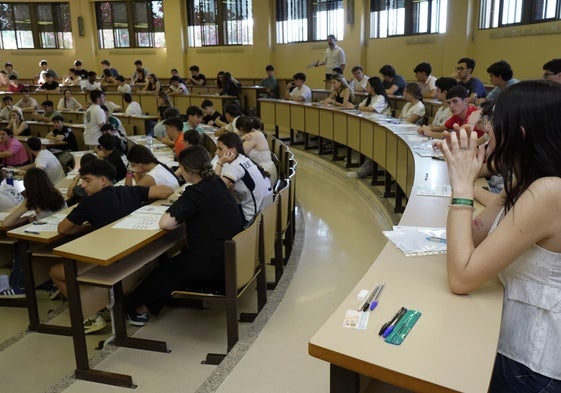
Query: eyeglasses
{"type": "Point", "coordinates": [460, 68]}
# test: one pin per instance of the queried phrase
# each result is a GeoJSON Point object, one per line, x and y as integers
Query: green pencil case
{"type": "Point", "coordinates": [403, 327]}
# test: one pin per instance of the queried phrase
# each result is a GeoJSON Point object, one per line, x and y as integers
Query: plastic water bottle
{"type": "Point", "coordinates": [10, 178]}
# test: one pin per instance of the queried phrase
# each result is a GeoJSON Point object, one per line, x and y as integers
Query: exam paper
{"type": "Point", "coordinates": [141, 221]}
{"type": "Point", "coordinates": [416, 241]}
{"type": "Point", "coordinates": [441, 190]}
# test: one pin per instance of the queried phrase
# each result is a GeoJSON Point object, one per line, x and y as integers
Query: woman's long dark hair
{"type": "Point", "coordinates": [527, 131]}
{"type": "Point", "coordinates": [196, 159]}
{"type": "Point", "coordinates": [139, 154]}
{"type": "Point", "coordinates": [40, 193]}
{"type": "Point", "coordinates": [378, 87]}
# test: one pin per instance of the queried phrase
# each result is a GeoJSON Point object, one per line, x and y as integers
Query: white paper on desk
{"type": "Point", "coordinates": [356, 319]}
{"type": "Point", "coordinates": [415, 138]}
{"type": "Point", "coordinates": [441, 190]}
{"type": "Point", "coordinates": [49, 224]}
{"type": "Point", "coordinates": [416, 241]}
{"type": "Point", "coordinates": [151, 209]}
{"type": "Point", "coordinates": [139, 221]}
{"type": "Point", "coordinates": [4, 215]}
{"type": "Point", "coordinates": [425, 149]}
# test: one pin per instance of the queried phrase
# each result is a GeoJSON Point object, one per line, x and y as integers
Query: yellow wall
{"type": "Point", "coordinates": [526, 53]}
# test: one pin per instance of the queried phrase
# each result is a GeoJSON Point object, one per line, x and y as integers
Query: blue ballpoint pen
{"type": "Point", "coordinates": [374, 302]}
{"type": "Point", "coordinates": [396, 320]}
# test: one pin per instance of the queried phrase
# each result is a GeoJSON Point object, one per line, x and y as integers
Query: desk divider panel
{"type": "Point", "coordinates": [367, 138]}
{"type": "Point", "coordinates": [283, 117]}
{"type": "Point", "coordinates": [391, 153]}
{"type": "Point", "coordinates": [297, 118]}
{"type": "Point", "coordinates": [326, 124]}
{"type": "Point", "coordinates": [340, 127]}
{"type": "Point", "coordinates": [353, 132]}
{"type": "Point", "coordinates": [380, 145]}
{"type": "Point", "coordinates": [181, 102]}
{"type": "Point", "coordinates": [268, 115]}
{"type": "Point", "coordinates": [410, 172]}
{"type": "Point", "coordinates": [401, 162]}
{"type": "Point", "coordinates": [148, 103]}
{"type": "Point", "coordinates": [312, 120]}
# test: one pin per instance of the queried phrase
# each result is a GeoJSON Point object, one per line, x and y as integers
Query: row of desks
{"type": "Point", "coordinates": [453, 345]}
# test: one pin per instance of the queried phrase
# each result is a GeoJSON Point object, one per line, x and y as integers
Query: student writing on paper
{"type": "Point", "coordinates": [44, 199]}
{"type": "Point", "coordinates": [211, 216]}
{"type": "Point", "coordinates": [524, 147]}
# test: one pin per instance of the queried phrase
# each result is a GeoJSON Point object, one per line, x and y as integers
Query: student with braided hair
{"type": "Point", "coordinates": [211, 216]}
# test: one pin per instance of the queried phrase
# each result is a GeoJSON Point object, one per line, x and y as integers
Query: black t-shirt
{"type": "Point", "coordinates": [230, 89]}
{"type": "Point", "coordinates": [213, 117]}
{"type": "Point", "coordinates": [69, 137]}
{"type": "Point", "coordinates": [119, 161]}
{"type": "Point", "coordinates": [49, 86]}
{"type": "Point", "coordinates": [108, 205]}
{"type": "Point", "coordinates": [83, 73]}
{"type": "Point", "coordinates": [199, 78]}
{"type": "Point", "coordinates": [211, 216]}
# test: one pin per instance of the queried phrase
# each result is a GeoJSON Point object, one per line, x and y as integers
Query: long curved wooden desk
{"type": "Point", "coordinates": [453, 345]}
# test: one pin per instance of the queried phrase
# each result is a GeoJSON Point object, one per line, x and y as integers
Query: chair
{"type": "Point", "coordinates": [270, 234]}
{"type": "Point", "coordinates": [243, 264]}
{"type": "Point", "coordinates": [283, 221]}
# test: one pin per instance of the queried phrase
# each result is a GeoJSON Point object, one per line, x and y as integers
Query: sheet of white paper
{"type": "Point", "coordinates": [139, 221]}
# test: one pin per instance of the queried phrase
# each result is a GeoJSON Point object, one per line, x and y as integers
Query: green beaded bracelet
{"type": "Point", "coordinates": [462, 201]}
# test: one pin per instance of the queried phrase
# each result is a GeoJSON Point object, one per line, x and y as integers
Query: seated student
{"type": "Point", "coordinates": [75, 192]}
{"type": "Point", "coordinates": [220, 79]}
{"type": "Point", "coordinates": [50, 84]}
{"type": "Point", "coordinates": [473, 85]}
{"type": "Point", "coordinates": [121, 142]}
{"type": "Point", "coordinates": [107, 79]}
{"type": "Point", "coordinates": [377, 100]}
{"type": "Point", "coordinates": [103, 204]}
{"type": "Point", "coordinates": [62, 133]}
{"type": "Point", "coordinates": [152, 85]}
{"type": "Point", "coordinates": [231, 111]}
{"type": "Point", "coordinates": [160, 127]}
{"type": "Point", "coordinates": [341, 94]}
{"type": "Point", "coordinates": [196, 77]}
{"type": "Point", "coordinates": [27, 102]}
{"type": "Point", "coordinates": [42, 197]}
{"type": "Point", "coordinates": [414, 110]}
{"type": "Point", "coordinates": [359, 82]}
{"type": "Point", "coordinates": [108, 151]}
{"type": "Point", "coordinates": [552, 70]}
{"type": "Point", "coordinates": [117, 125]}
{"type": "Point", "coordinates": [230, 86]}
{"type": "Point", "coordinates": [249, 183]}
{"type": "Point", "coordinates": [194, 117]}
{"type": "Point", "coordinates": [68, 103]}
{"type": "Point", "coordinates": [443, 113]}
{"type": "Point", "coordinates": [44, 71]}
{"type": "Point", "coordinates": [17, 124]}
{"type": "Point", "coordinates": [7, 107]}
{"type": "Point", "coordinates": [174, 131]}
{"type": "Point", "coordinates": [81, 71]}
{"type": "Point", "coordinates": [256, 146]}
{"type": "Point", "coordinates": [211, 216]}
{"type": "Point", "coordinates": [174, 72]}
{"type": "Point", "coordinates": [517, 237]}
{"type": "Point", "coordinates": [426, 81]}
{"type": "Point", "coordinates": [122, 87]}
{"type": "Point", "coordinates": [500, 75]}
{"type": "Point", "coordinates": [176, 87]}
{"type": "Point", "coordinates": [140, 75]}
{"type": "Point", "coordinates": [163, 103]}
{"type": "Point", "coordinates": [90, 83]}
{"type": "Point", "coordinates": [15, 86]}
{"type": "Point", "coordinates": [393, 83]}
{"type": "Point", "coordinates": [48, 112]}
{"type": "Point", "coordinates": [270, 83]}
{"type": "Point", "coordinates": [107, 65]}
{"type": "Point", "coordinates": [463, 112]}
{"type": "Point", "coordinates": [298, 90]}
{"type": "Point", "coordinates": [12, 151]}
{"type": "Point", "coordinates": [72, 79]}
{"type": "Point", "coordinates": [146, 170]}
{"type": "Point", "coordinates": [210, 114]}
{"type": "Point", "coordinates": [133, 107]}
{"type": "Point", "coordinates": [44, 160]}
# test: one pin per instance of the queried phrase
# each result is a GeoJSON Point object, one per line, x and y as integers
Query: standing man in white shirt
{"type": "Point", "coordinates": [94, 118]}
{"type": "Point", "coordinates": [334, 57]}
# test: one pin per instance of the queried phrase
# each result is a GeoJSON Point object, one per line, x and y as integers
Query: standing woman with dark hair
{"type": "Point", "coordinates": [377, 100]}
{"type": "Point", "coordinates": [44, 199]}
{"type": "Point", "coordinates": [518, 235]}
{"type": "Point", "coordinates": [147, 170]}
{"type": "Point", "coordinates": [249, 183]}
{"type": "Point", "coordinates": [211, 216]}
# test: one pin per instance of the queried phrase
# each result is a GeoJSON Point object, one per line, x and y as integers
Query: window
{"type": "Point", "coordinates": [309, 20]}
{"type": "Point", "coordinates": [407, 17]}
{"type": "Point", "coordinates": [130, 24]}
{"type": "Point", "coordinates": [35, 26]}
{"type": "Point", "coordinates": [219, 22]}
{"type": "Point", "coordinates": [499, 13]}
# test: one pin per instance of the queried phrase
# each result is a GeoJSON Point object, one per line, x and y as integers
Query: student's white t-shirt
{"type": "Point", "coordinates": [378, 103]}
{"type": "Point", "coordinates": [442, 114]}
{"type": "Point", "coordinates": [416, 109]}
{"type": "Point", "coordinates": [51, 165]}
{"type": "Point", "coordinates": [163, 177]}
{"type": "Point", "coordinates": [134, 109]}
{"type": "Point", "coordinates": [304, 92]}
{"type": "Point", "coordinates": [93, 119]}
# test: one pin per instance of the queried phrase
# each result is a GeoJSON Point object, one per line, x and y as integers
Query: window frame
{"type": "Point", "coordinates": [409, 21]}
{"type": "Point", "coordinates": [132, 25]}
{"type": "Point", "coordinates": [527, 14]}
{"type": "Point", "coordinates": [311, 33]}
{"type": "Point", "coordinates": [37, 34]}
{"type": "Point", "coordinates": [220, 25]}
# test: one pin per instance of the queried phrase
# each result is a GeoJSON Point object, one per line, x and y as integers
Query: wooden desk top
{"type": "Point", "coordinates": [42, 236]}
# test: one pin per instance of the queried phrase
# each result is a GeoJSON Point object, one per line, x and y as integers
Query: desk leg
{"type": "Point", "coordinates": [121, 338]}
{"type": "Point", "coordinates": [342, 380]}
{"type": "Point", "coordinates": [83, 370]}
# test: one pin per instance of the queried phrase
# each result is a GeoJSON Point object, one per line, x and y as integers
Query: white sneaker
{"type": "Point", "coordinates": [352, 175]}
{"type": "Point", "coordinates": [94, 323]}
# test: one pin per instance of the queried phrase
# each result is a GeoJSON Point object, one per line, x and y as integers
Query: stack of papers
{"type": "Point", "coordinates": [414, 241]}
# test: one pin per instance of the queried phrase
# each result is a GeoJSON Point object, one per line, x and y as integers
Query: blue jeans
{"type": "Point", "coordinates": [510, 376]}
